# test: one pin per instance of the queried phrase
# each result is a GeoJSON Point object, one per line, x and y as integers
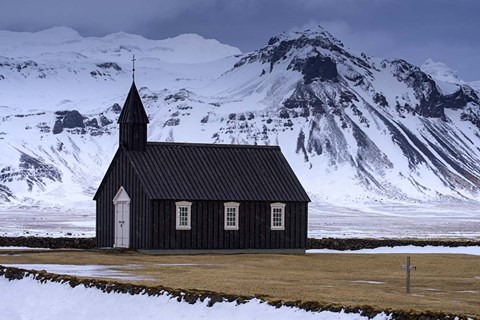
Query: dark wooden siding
{"type": "Point", "coordinates": [208, 227]}
{"type": "Point", "coordinates": [133, 136]}
{"type": "Point", "coordinates": [122, 174]}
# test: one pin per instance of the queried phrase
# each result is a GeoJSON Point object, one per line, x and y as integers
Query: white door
{"type": "Point", "coordinates": [122, 219]}
{"type": "Point", "coordinates": [122, 224]}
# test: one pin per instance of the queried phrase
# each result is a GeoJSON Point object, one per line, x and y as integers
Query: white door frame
{"type": "Point", "coordinates": [121, 202]}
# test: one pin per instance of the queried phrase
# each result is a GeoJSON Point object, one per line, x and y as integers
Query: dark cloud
{"type": "Point", "coordinates": [445, 30]}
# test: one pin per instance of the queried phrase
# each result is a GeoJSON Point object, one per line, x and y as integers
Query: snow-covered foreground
{"type": "Point", "coordinates": [28, 299]}
{"type": "Point", "coordinates": [350, 220]}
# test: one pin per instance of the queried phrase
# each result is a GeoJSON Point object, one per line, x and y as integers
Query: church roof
{"type": "Point", "coordinates": [133, 110]}
{"type": "Point", "coordinates": [190, 171]}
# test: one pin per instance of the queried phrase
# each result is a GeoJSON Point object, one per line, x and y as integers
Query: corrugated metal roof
{"type": "Point", "coordinates": [188, 171]}
{"type": "Point", "coordinates": [133, 110]}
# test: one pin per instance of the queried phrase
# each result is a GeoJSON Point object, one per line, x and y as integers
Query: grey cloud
{"type": "Point", "coordinates": [413, 29]}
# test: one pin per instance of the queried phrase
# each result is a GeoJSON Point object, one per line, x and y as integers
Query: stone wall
{"type": "Point", "coordinates": [46, 242]}
{"type": "Point", "coordinates": [357, 244]}
{"type": "Point", "coordinates": [325, 243]}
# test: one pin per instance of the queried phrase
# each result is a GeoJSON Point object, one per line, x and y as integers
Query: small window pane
{"type": "Point", "coordinates": [231, 217]}
{"type": "Point", "coordinates": [183, 216]}
{"type": "Point", "coordinates": [277, 217]}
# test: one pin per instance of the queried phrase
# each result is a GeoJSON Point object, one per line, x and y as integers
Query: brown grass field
{"type": "Point", "coordinates": [442, 282]}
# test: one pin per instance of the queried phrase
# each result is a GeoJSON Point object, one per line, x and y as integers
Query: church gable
{"type": "Point", "coordinates": [122, 176]}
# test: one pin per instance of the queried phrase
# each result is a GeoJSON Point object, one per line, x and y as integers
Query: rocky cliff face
{"type": "Point", "coordinates": [352, 126]}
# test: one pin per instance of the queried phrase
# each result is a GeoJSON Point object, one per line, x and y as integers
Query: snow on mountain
{"type": "Point", "coordinates": [58, 65]}
{"type": "Point", "coordinates": [354, 127]}
{"type": "Point", "coordinates": [186, 48]}
{"type": "Point", "coordinates": [440, 71]}
{"type": "Point", "coordinates": [446, 76]}
{"type": "Point", "coordinates": [352, 120]}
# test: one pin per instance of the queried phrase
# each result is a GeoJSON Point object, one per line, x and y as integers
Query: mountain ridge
{"type": "Point", "coordinates": [354, 127]}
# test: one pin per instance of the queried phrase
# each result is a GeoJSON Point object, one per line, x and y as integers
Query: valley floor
{"type": "Point", "coordinates": [362, 220]}
{"type": "Point", "coordinates": [395, 220]}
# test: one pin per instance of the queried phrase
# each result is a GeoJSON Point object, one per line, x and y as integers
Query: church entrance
{"type": "Point", "coordinates": [121, 202]}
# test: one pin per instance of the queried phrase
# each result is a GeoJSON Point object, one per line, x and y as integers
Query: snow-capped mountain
{"type": "Point", "coordinates": [352, 126]}
{"type": "Point", "coordinates": [442, 73]}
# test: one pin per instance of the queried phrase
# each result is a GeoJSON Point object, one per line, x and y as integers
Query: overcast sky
{"type": "Point", "coordinates": [445, 30]}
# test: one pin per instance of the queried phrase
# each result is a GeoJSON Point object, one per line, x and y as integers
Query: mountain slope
{"type": "Point", "coordinates": [353, 127]}
{"type": "Point", "coordinates": [361, 122]}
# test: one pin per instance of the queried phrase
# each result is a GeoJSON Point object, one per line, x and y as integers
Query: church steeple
{"type": "Point", "coordinates": [133, 122]}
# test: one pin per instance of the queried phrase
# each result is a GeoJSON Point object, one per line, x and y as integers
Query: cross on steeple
{"type": "Point", "coordinates": [133, 69]}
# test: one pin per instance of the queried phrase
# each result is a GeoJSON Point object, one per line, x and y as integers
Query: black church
{"type": "Point", "coordinates": [189, 197]}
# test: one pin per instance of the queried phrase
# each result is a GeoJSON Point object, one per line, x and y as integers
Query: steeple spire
{"type": "Point", "coordinates": [133, 122]}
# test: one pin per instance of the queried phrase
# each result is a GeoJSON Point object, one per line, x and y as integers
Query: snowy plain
{"type": "Point", "coordinates": [394, 220]}
{"type": "Point", "coordinates": [348, 220]}
{"type": "Point", "coordinates": [27, 298]}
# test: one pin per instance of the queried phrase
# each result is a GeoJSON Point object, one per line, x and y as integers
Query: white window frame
{"type": "Point", "coordinates": [281, 206]}
{"type": "Point", "coordinates": [236, 206]}
{"type": "Point", "coordinates": [183, 204]}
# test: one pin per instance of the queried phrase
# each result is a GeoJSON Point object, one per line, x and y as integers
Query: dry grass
{"type": "Point", "coordinates": [444, 283]}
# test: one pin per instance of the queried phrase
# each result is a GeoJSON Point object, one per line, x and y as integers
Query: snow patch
{"type": "Point", "coordinates": [28, 299]}
{"type": "Point", "coordinates": [474, 250]}
{"type": "Point", "coordinates": [98, 271]}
